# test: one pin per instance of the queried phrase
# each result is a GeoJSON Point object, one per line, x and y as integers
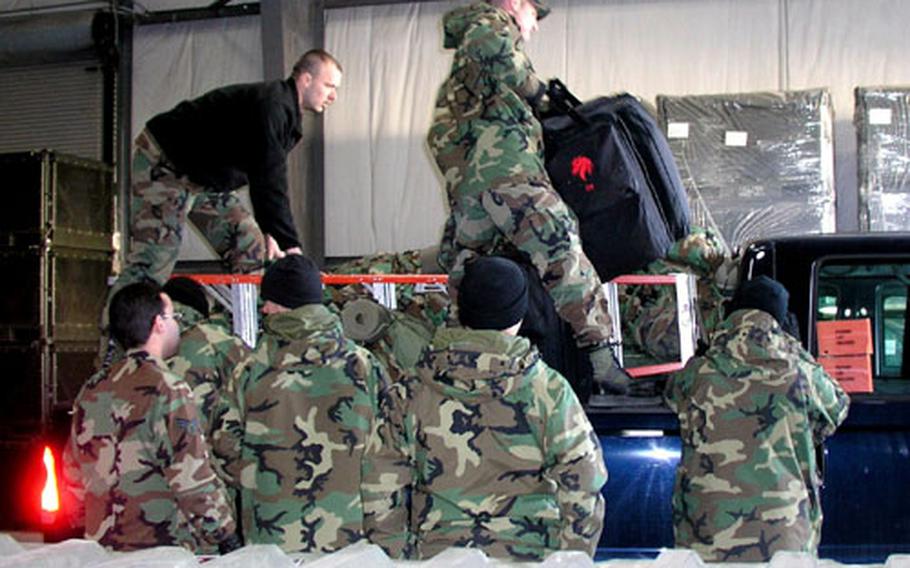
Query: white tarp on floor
{"type": "Point", "coordinates": [84, 553]}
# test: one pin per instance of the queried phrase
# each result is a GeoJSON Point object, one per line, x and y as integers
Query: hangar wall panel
{"type": "Point", "coordinates": [382, 192]}
{"type": "Point", "coordinates": [57, 106]}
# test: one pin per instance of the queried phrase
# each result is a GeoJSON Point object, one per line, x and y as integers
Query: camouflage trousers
{"type": "Point", "coordinates": [649, 319]}
{"type": "Point", "coordinates": [533, 219]}
{"type": "Point", "coordinates": [160, 205]}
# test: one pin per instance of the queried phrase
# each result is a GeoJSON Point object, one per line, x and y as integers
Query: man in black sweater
{"type": "Point", "coordinates": [190, 161]}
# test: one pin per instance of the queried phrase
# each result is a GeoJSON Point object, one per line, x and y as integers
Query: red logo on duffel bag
{"type": "Point", "coordinates": [582, 167]}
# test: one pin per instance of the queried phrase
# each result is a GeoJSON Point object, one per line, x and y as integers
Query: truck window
{"type": "Point", "coordinates": [893, 303]}
{"type": "Point", "coordinates": [859, 289]}
{"type": "Point", "coordinates": [827, 303]}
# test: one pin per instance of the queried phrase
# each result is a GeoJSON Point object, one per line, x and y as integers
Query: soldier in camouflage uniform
{"type": "Point", "coordinates": [753, 411]}
{"type": "Point", "coordinates": [649, 319]}
{"type": "Point", "coordinates": [136, 468]}
{"type": "Point", "coordinates": [307, 418]}
{"type": "Point", "coordinates": [492, 445]}
{"type": "Point", "coordinates": [190, 160]}
{"type": "Point", "coordinates": [212, 361]}
{"type": "Point", "coordinates": [488, 146]}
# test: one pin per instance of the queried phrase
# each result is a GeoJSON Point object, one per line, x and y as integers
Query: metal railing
{"type": "Point", "coordinates": [238, 293]}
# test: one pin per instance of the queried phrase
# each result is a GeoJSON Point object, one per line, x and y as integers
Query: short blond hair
{"type": "Point", "coordinates": [312, 61]}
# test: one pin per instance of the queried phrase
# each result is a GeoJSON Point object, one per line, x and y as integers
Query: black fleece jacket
{"type": "Point", "coordinates": [236, 135]}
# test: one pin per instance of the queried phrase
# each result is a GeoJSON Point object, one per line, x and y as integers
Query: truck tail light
{"type": "Point", "coordinates": [50, 496]}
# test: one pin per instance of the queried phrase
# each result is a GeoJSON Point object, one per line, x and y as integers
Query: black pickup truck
{"type": "Point", "coordinates": [866, 499]}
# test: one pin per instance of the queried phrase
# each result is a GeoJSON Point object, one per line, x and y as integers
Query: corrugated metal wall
{"type": "Point", "coordinates": [57, 106]}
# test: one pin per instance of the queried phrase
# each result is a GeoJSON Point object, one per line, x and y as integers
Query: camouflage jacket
{"type": "Point", "coordinates": [752, 412]}
{"type": "Point", "coordinates": [308, 411]}
{"type": "Point", "coordinates": [138, 462]}
{"type": "Point", "coordinates": [495, 450]}
{"type": "Point", "coordinates": [484, 133]}
{"type": "Point", "coordinates": [212, 361]}
{"type": "Point", "coordinates": [649, 319]}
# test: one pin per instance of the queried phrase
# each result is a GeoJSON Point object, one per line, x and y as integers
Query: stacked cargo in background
{"type": "Point", "coordinates": [56, 230]}
{"type": "Point", "coordinates": [882, 120]}
{"type": "Point", "coordinates": [755, 165]}
{"type": "Point", "coordinates": [845, 351]}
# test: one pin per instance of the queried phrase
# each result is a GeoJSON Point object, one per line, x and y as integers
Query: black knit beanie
{"type": "Point", "coordinates": [762, 293]}
{"type": "Point", "coordinates": [493, 294]}
{"type": "Point", "coordinates": [292, 281]}
{"type": "Point", "coordinates": [189, 293]}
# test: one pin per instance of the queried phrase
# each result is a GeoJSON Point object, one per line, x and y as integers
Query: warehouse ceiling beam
{"type": "Point", "coordinates": [218, 9]}
{"type": "Point", "coordinates": [357, 3]}
{"type": "Point", "coordinates": [54, 8]}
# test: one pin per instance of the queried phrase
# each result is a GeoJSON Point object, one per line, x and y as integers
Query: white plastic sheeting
{"type": "Point", "coordinates": [253, 556]}
{"type": "Point", "coordinates": [160, 557]}
{"type": "Point", "coordinates": [882, 122]}
{"type": "Point", "coordinates": [757, 165]}
{"type": "Point", "coordinates": [354, 556]}
{"type": "Point", "coordinates": [382, 192]}
{"type": "Point", "coordinates": [9, 546]}
{"type": "Point", "coordinates": [68, 554]}
{"type": "Point", "coordinates": [83, 553]}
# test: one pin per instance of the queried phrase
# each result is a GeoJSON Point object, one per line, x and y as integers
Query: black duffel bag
{"type": "Point", "coordinates": [610, 163]}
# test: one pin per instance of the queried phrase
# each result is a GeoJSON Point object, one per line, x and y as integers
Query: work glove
{"type": "Point", "coordinates": [608, 376]}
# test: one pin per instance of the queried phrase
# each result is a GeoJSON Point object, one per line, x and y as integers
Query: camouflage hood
{"type": "Point", "coordinates": [750, 338]}
{"type": "Point", "coordinates": [752, 411]}
{"type": "Point", "coordinates": [475, 365]}
{"type": "Point", "coordinates": [298, 324]}
{"type": "Point", "coordinates": [458, 22]}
